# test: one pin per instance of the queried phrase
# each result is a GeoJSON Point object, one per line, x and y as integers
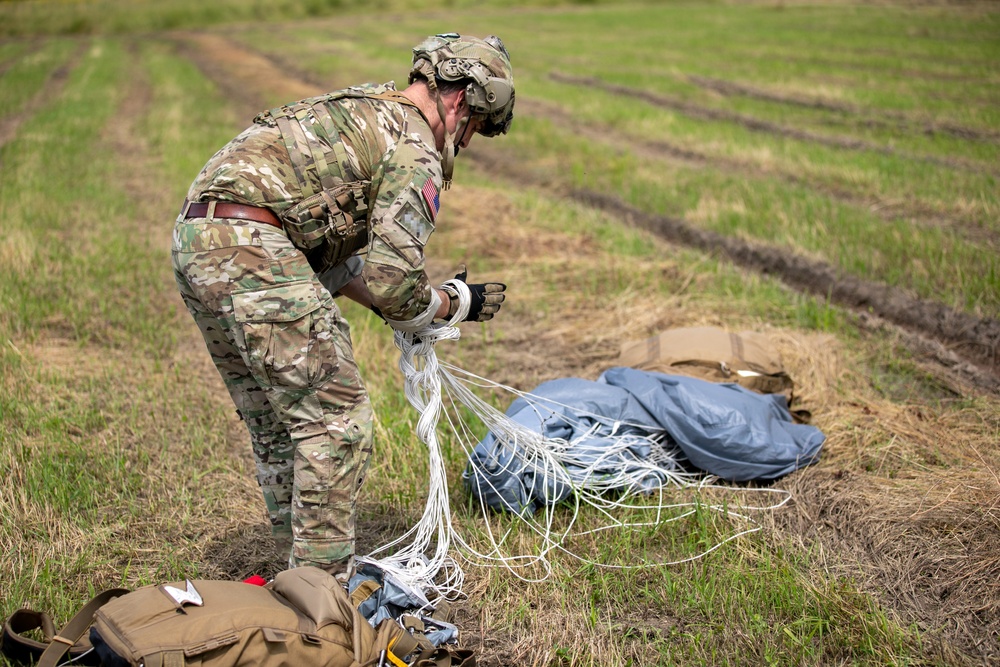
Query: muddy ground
{"type": "Point", "coordinates": [922, 540]}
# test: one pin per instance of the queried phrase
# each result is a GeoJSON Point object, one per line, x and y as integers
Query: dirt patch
{"type": "Point", "coordinates": [700, 112]}
{"type": "Point", "coordinates": [248, 79]}
{"type": "Point", "coordinates": [241, 551]}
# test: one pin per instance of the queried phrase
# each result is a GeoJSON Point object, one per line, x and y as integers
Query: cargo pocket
{"type": "Point", "coordinates": [280, 344]}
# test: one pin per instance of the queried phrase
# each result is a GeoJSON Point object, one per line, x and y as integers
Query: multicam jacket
{"type": "Point", "coordinates": [359, 151]}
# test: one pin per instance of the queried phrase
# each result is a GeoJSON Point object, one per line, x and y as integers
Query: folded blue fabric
{"type": "Point", "coordinates": [722, 429]}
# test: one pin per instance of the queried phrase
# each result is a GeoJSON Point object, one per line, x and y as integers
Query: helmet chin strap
{"type": "Point", "coordinates": [448, 156]}
{"type": "Point", "coordinates": [451, 146]}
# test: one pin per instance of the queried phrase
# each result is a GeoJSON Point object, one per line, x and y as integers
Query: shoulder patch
{"type": "Point", "coordinates": [432, 196]}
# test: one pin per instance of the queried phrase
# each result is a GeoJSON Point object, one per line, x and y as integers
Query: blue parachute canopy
{"type": "Point", "coordinates": [722, 429]}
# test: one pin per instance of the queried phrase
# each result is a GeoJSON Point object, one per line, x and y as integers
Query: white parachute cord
{"type": "Point", "coordinates": [410, 563]}
{"type": "Point", "coordinates": [590, 488]}
{"type": "Point", "coordinates": [554, 465]}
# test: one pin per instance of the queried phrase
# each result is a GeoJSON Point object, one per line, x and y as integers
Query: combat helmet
{"type": "Point", "coordinates": [485, 63]}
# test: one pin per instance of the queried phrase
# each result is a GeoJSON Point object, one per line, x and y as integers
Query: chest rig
{"type": "Point", "coordinates": [330, 223]}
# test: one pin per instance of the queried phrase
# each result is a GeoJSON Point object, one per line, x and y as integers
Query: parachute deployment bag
{"type": "Point", "coordinates": [304, 618]}
{"type": "Point", "coordinates": [748, 358]}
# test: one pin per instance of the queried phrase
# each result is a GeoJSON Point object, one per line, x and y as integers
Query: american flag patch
{"type": "Point", "coordinates": [432, 196]}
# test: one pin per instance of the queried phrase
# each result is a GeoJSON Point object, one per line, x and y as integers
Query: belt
{"type": "Point", "coordinates": [231, 211]}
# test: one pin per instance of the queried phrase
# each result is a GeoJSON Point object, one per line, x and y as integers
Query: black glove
{"type": "Point", "coordinates": [486, 299]}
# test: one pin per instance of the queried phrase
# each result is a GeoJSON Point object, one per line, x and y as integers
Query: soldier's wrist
{"type": "Point", "coordinates": [444, 304]}
{"type": "Point", "coordinates": [453, 300]}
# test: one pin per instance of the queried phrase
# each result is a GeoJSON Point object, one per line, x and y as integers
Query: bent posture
{"type": "Point", "coordinates": [274, 228]}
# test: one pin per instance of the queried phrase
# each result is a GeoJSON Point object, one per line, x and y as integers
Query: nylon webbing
{"type": "Point", "coordinates": [289, 132]}
{"type": "Point", "coordinates": [76, 627]}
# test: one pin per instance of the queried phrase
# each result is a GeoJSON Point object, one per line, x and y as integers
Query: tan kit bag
{"type": "Point", "coordinates": [303, 617]}
{"type": "Point", "coordinates": [710, 353]}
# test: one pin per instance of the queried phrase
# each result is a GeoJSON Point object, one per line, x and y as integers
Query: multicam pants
{"type": "Point", "coordinates": [284, 352]}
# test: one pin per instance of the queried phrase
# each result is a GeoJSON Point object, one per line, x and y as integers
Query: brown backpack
{"type": "Point", "coordinates": [303, 617]}
{"type": "Point", "coordinates": [710, 353]}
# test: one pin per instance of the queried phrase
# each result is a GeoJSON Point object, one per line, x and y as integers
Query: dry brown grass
{"type": "Point", "coordinates": [906, 498]}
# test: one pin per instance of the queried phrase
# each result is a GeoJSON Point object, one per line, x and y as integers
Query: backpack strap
{"type": "Point", "coordinates": [75, 629]}
{"type": "Point", "coordinates": [24, 650]}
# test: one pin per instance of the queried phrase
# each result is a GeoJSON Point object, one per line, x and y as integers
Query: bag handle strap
{"type": "Point", "coordinates": [18, 648]}
{"type": "Point", "coordinates": [77, 626]}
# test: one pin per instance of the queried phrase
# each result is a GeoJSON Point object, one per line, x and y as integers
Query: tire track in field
{"type": "Point", "coordinates": [699, 112]}
{"type": "Point", "coordinates": [965, 345]}
{"type": "Point", "coordinates": [229, 532]}
{"type": "Point", "coordinates": [975, 339]}
{"type": "Point", "coordinates": [51, 89]}
{"type": "Point", "coordinates": [883, 119]}
{"type": "Point", "coordinates": [126, 139]}
{"type": "Point", "coordinates": [33, 48]}
{"type": "Point", "coordinates": [966, 227]}
{"type": "Point", "coordinates": [247, 78]}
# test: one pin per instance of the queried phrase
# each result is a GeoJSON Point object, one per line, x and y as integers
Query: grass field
{"type": "Point", "coordinates": [824, 172]}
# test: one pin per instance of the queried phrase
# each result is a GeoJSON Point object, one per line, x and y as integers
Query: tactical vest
{"type": "Point", "coordinates": [330, 223]}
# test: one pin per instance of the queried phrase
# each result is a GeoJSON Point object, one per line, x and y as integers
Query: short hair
{"type": "Point", "coordinates": [444, 87]}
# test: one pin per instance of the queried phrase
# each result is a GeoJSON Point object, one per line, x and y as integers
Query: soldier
{"type": "Point", "coordinates": [272, 230]}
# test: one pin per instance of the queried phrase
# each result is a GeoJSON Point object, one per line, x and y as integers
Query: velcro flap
{"type": "Point", "coordinates": [274, 636]}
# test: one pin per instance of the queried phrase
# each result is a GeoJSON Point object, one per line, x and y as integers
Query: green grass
{"type": "Point", "coordinates": [86, 288]}
{"type": "Point", "coordinates": [28, 69]}
{"type": "Point", "coordinates": [777, 190]}
{"type": "Point", "coordinates": [85, 17]}
{"type": "Point", "coordinates": [933, 262]}
{"type": "Point", "coordinates": [696, 613]}
{"type": "Point", "coordinates": [98, 434]}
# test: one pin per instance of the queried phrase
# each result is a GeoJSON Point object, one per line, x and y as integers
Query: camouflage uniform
{"type": "Point", "coordinates": [272, 327]}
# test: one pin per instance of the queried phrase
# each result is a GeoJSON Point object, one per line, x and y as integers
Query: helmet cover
{"type": "Point", "coordinates": [485, 63]}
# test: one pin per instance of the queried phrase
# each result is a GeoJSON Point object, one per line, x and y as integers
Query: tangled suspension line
{"type": "Point", "coordinates": [567, 474]}
{"type": "Point", "coordinates": [410, 564]}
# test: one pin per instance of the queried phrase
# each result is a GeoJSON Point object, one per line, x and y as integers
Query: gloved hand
{"type": "Point", "coordinates": [486, 299]}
